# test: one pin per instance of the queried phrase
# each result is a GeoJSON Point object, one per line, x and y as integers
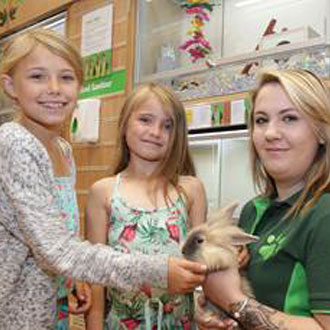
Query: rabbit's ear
{"type": "Point", "coordinates": [223, 215]}
{"type": "Point", "coordinates": [228, 211]}
{"type": "Point", "coordinates": [239, 237]}
{"type": "Point", "coordinates": [244, 239]}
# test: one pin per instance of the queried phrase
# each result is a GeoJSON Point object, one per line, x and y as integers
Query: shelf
{"type": "Point", "coordinates": [288, 49]}
{"type": "Point", "coordinates": [205, 136]}
{"type": "Point", "coordinates": [216, 129]}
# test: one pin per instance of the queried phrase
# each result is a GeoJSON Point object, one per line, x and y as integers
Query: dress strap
{"type": "Point", "coordinates": [117, 183]}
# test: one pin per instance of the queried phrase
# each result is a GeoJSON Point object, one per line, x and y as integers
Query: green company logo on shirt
{"type": "Point", "coordinates": [271, 246]}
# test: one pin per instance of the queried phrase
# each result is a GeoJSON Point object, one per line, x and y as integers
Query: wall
{"type": "Point", "coordinates": [95, 161]}
{"type": "Point", "coordinates": [17, 14]}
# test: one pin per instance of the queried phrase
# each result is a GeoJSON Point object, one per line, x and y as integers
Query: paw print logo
{"type": "Point", "coordinates": [271, 246]}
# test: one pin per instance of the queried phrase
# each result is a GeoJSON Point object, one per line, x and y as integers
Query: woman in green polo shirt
{"type": "Point", "coordinates": [289, 266]}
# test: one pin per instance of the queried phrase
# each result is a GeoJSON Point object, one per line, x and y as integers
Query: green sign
{"type": "Point", "coordinates": [99, 79]}
{"type": "Point", "coordinates": [112, 83]}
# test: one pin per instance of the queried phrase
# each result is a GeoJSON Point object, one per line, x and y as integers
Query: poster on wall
{"type": "Point", "coordinates": [96, 50]}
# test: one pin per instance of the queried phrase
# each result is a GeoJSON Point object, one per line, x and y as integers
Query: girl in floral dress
{"type": "Point", "coordinates": [146, 207]}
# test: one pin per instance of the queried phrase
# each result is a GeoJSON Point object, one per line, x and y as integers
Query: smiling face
{"type": "Point", "coordinates": [283, 138]}
{"type": "Point", "coordinates": [44, 86]}
{"type": "Point", "coordinates": [149, 130]}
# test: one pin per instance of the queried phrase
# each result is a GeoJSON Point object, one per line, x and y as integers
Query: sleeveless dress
{"type": "Point", "coordinates": [158, 231]}
{"type": "Point", "coordinates": [67, 201]}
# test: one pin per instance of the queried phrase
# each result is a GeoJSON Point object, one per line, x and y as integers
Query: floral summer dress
{"type": "Point", "coordinates": [158, 231]}
{"type": "Point", "coordinates": [67, 202]}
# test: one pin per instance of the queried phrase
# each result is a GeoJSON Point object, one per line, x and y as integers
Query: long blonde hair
{"type": "Point", "coordinates": [311, 98]}
{"type": "Point", "coordinates": [177, 160]}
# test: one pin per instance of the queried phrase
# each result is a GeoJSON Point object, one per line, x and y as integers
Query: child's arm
{"type": "Point", "coordinates": [26, 181]}
{"type": "Point", "coordinates": [97, 219]}
{"type": "Point", "coordinates": [82, 300]}
{"type": "Point", "coordinates": [197, 202]}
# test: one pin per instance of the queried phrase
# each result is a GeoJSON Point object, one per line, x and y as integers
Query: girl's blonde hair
{"type": "Point", "coordinates": [177, 160]}
{"type": "Point", "coordinates": [310, 96]}
{"type": "Point", "coordinates": [22, 45]}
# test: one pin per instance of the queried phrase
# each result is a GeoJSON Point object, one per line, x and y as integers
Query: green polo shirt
{"type": "Point", "coordinates": [290, 265]}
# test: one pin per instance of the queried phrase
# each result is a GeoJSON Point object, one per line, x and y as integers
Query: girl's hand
{"type": "Point", "coordinates": [224, 288]}
{"type": "Point", "coordinates": [83, 296]}
{"type": "Point", "coordinates": [243, 257]}
{"type": "Point", "coordinates": [208, 320]}
{"type": "Point", "coordinates": [184, 275]}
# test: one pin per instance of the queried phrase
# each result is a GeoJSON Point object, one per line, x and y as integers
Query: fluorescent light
{"type": "Point", "coordinates": [246, 3]}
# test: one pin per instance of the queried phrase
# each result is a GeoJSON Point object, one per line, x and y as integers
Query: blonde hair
{"type": "Point", "coordinates": [310, 96]}
{"type": "Point", "coordinates": [177, 160]}
{"type": "Point", "coordinates": [22, 45]}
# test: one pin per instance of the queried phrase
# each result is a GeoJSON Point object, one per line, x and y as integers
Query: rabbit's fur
{"type": "Point", "coordinates": [215, 243]}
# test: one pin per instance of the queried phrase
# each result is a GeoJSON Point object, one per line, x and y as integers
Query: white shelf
{"type": "Point", "coordinates": [243, 58]}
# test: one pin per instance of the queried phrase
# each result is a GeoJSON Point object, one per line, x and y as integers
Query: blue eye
{"type": "Point", "coordinates": [289, 118]}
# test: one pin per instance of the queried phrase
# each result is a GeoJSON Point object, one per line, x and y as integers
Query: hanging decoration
{"type": "Point", "coordinates": [197, 45]}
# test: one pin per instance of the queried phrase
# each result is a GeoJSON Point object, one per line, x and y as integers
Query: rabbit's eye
{"type": "Point", "coordinates": [199, 240]}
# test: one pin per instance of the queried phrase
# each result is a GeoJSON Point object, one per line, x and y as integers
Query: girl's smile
{"type": "Point", "coordinates": [148, 131]}
{"type": "Point", "coordinates": [44, 87]}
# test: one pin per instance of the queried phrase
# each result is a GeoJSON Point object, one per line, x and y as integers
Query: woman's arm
{"type": "Point", "coordinates": [224, 290]}
{"type": "Point", "coordinates": [97, 220]}
{"type": "Point", "coordinates": [254, 315]}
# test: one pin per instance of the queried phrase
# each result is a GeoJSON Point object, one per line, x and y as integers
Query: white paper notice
{"type": "Point", "coordinates": [200, 116]}
{"type": "Point", "coordinates": [237, 109]}
{"type": "Point", "coordinates": [97, 31]}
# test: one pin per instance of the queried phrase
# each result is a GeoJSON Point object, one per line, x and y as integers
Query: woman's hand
{"type": "Point", "coordinates": [184, 275]}
{"type": "Point", "coordinates": [83, 297]}
{"type": "Point", "coordinates": [243, 257]}
{"type": "Point", "coordinates": [224, 288]}
{"type": "Point", "coordinates": [207, 320]}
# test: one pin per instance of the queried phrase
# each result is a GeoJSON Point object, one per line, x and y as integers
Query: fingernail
{"type": "Point", "coordinates": [207, 319]}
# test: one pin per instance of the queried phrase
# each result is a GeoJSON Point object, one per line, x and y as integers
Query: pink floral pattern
{"type": "Point", "coordinates": [158, 231]}
{"type": "Point", "coordinates": [174, 232]}
{"type": "Point", "coordinates": [128, 233]}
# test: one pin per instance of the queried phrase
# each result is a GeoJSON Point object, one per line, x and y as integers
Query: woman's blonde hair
{"type": "Point", "coordinates": [310, 96]}
{"type": "Point", "coordinates": [177, 160]}
{"type": "Point", "coordinates": [22, 45]}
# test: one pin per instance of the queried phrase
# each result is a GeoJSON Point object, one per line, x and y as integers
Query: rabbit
{"type": "Point", "coordinates": [216, 244]}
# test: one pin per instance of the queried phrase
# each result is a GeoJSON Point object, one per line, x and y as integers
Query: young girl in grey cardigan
{"type": "Point", "coordinates": [42, 74]}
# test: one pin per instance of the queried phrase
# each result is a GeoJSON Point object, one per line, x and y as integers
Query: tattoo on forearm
{"type": "Point", "coordinates": [255, 316]}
